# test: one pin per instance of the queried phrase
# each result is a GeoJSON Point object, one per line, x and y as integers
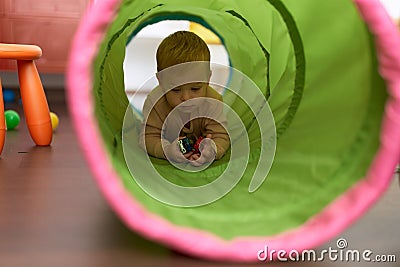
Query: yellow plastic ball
{"type": "Point", "coordinates": [54, 120]}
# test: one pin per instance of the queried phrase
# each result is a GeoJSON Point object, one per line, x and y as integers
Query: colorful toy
{"type": "Point", "coordinates": [12, 119]}
{"type": "Point", "coordinates": [36, 110]}
{"type": "Point", "coordinates": [323, 76]}
{"type": "Point", "coordinates": [196, 146]}
{"type": "Point", "coordinates": [187, 144]}
{"type": "Point", "coordinates": [54, 120]}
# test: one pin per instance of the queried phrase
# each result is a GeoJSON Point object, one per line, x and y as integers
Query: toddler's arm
{"type": "Point", "coordinates": [219, 136]}
{"type": "Point", "coordinates": [150, 137]}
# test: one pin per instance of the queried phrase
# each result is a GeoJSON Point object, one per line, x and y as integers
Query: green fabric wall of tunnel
{"type": "Point", "coordinates": [324, 91]}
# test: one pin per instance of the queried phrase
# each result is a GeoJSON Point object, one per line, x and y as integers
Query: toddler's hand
{"type": "Point", "coordinates": [173, 153]}
{"type": "Point", "coordinates": [208, 152]}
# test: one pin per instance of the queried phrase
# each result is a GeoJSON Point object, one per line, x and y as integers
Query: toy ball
{"type": "Point", "coordinates": [12, 119]}
{"type": "Point", "coordinates": [8, 96]}
{"type": "Point", "coordinates": [54, 120]}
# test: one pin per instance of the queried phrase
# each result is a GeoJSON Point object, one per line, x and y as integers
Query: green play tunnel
{"type": "Point", "coordinates": [314, 62]}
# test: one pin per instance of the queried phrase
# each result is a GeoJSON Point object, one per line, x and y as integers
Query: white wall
{"type": "Point", "coordinates": [140, 62]}
{"type": "Point", "coordinates": [393, 7]}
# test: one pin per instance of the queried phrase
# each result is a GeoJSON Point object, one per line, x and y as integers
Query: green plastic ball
{"type": "Point", "coordinates": [12, 119]}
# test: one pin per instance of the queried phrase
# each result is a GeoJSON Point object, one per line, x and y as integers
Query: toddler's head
{"type": "Point", "coordinates": [182, 47]}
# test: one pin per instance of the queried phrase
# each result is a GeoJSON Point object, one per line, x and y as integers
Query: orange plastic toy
{"type": "Point", "coordinates": [34, 100]}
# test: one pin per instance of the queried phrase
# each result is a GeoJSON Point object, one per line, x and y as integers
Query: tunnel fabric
{"type": "Point", "coordinates": [324, 89]}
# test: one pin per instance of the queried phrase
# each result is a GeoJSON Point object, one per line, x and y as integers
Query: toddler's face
{"type": "Point", "coordinates": [185, 92]}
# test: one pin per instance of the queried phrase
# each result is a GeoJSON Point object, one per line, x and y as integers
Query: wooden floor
{"type": "Point", "coordinates": [52, 213]}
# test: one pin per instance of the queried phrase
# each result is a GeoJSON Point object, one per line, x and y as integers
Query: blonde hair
{"type": "Point", "coordinates": [181, 47]}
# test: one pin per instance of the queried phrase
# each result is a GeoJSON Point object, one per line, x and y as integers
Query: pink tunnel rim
{"type": "Point", "coordinates": [328, 223]}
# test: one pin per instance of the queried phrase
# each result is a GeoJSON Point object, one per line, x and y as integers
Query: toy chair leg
{"type": "Point", "coordinates": [2, 120]}
{"type": "Point", "coordinates": [34, 102]}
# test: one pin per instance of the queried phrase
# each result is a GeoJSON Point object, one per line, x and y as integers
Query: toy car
{"type": "Point", "coordinates": [186, 145]}
{"type": "Point", "coordinates": [196, 146]}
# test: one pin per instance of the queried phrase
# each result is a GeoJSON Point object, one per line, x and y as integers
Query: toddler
{"type": "Point", "coordinates": [184, 105]}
